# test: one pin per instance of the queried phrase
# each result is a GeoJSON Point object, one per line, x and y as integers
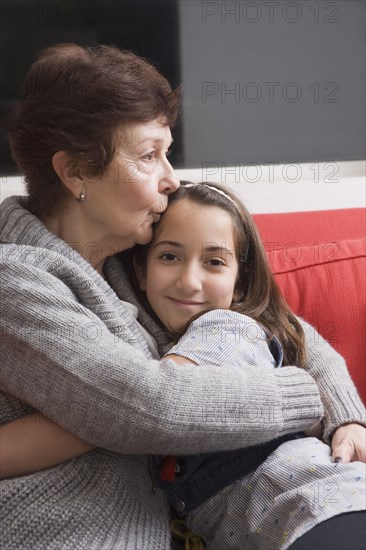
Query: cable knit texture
{"type": "Point", "coordinates": [71, 350]}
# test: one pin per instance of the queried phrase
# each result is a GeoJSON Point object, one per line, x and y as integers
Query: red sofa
{"type": "Point", "coordinates": [319, 260]}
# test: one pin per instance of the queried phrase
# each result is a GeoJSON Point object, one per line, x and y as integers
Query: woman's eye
{"type": "Point", "coordinates": [149, 156]}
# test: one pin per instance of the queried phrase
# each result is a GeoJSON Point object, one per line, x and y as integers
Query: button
{"type": "Point", "coordinates": [180, 506]}
{"type": "Point", "coordinates": [180, 467]}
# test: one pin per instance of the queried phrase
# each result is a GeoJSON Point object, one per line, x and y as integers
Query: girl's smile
{"type": "Point", "coordinates": [185, 302]}
{"type": "Point", "coordinates": [191, 265]}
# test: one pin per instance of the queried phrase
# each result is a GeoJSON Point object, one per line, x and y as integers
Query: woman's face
{"type": "Point", "coordinates": [122, 204]}
{"type": "Point", "coordinates": [191, 265]}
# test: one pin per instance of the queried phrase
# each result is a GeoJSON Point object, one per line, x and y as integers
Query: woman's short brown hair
{"type": "Point", "coordinates": [75, 99]}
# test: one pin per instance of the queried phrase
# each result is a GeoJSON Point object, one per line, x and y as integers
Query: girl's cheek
{"type": "Point", "coordinates": [153, 274]}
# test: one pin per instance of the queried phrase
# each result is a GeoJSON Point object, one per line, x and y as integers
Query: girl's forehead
{"type": "Point", "coordinates": [187, 206]}
{"type": "Point", "coordinates": [188, 219]}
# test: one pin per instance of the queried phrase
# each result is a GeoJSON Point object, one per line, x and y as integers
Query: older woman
{"type": "Point", "coordinates": [92, 135]}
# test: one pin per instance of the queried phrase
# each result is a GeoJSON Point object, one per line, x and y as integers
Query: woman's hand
{"type": "Point", "coordinates": [349, 443]}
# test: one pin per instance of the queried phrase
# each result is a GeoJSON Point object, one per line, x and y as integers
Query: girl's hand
{"type": "Point", "coordinates": [349, 443]}
{"type": "Point", "coordinates": [33, 443]}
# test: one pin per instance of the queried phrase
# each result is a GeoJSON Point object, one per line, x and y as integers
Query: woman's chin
{"type": "Point", "coordinates": [145, 237]}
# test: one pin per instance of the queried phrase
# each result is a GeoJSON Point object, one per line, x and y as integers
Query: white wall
{"type": "Point", "coordinates": [291, 187]}
{"type": "Point", "coordinates": [272, 188]}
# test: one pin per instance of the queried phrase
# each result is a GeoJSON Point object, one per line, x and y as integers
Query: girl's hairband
{"type": "Point", "coordinates": [214, 189]}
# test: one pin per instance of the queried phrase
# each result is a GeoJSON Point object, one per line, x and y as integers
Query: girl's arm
{"type": "Point", "coordinates": [33, 443]}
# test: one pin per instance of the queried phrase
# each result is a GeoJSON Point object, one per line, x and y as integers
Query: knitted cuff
{"type": "Point", "coordinates": [344, 406]}
{"type": "Point", "coordinates": [300, 399]}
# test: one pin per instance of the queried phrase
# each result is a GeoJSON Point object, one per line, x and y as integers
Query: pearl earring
{"type": "Point", "coordinates": [81, 197]}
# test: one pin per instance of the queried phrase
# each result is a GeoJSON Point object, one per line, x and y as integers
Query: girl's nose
{"type": "Point", "coordinates": [189, 280]}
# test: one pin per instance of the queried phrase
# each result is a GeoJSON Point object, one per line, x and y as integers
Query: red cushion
{"type": "Point", "coordinates": [322, 278]}
{"type": "Point", "coordinates": [312, 227]}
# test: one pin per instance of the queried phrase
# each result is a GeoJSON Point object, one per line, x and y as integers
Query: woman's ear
{"type": "Point", "coordinates": [140, 271]}
{"type": "Point", "coordinates": [69, 172]}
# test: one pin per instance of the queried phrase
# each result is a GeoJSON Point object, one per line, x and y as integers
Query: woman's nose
{"type": "Point", "coordinates": [168, 182]}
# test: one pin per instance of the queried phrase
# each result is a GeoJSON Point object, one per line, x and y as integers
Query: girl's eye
{"type": "Point", "coordinates": [168, 257]}
{"type": "Point", "coordinates": [216, 262]}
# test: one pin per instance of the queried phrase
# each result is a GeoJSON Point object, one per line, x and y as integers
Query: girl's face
{"type": "Point", "coordinates": [191, 264]}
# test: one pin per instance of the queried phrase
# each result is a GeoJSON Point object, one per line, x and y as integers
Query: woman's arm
{"type": "Point", "coordinates": [345, 418]}
{"type": "Point", "coordinates": [342, 404]}
{"type": "Point", "coordinates": [344, 411]}
{"type": "Point", "coordinates": [69, 354]}
{"type": "Point", "coordinates": [33, 443]}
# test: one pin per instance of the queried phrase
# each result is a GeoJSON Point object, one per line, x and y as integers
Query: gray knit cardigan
{"type": "Point", "coordinates": [70, 349]}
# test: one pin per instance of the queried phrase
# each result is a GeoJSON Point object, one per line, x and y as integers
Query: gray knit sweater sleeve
{"type": "Point", "coordinates": [63, 359]}
{"type": "Point", "coordinates": [342, 403]}
{"type": "Point", "coordinates": [220, 337]}
{"type": "Point", "coordinates": [70, 350]}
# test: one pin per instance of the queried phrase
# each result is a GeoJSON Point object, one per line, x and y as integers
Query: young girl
{"type": "Point", "coordinates": [206, 263]}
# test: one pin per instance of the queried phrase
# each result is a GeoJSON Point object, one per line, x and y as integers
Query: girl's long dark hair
{"type": "Point", "coordinates": [259, 295]}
